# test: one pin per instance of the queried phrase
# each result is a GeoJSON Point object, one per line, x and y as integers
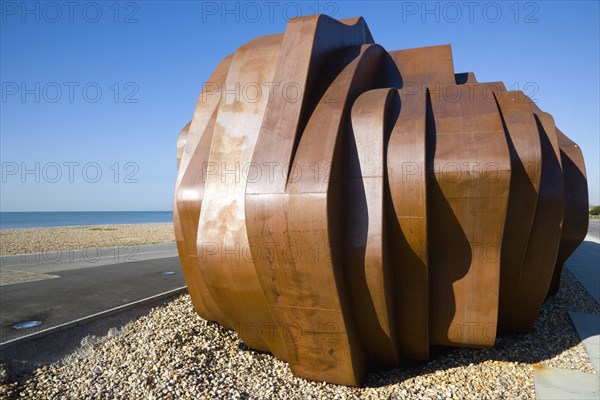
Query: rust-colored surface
{"type": "Point", "coordinates": [345, 207]}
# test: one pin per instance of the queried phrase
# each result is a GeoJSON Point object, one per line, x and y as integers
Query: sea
{"type": "Point", "coordinates": [13, 220]}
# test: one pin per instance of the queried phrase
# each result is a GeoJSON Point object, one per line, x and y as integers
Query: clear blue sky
{"type": "Point", "coordinates": [150, 58]}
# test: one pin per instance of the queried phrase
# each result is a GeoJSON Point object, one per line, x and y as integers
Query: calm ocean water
{"type": "Point", "coordinates": [12, 220]}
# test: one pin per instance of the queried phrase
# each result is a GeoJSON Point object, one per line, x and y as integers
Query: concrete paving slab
{"type": "Point", "coordinates": [562, 384]}
{"type": "Point", "coordinates": [594, 228]}
{"type": "Point", "coordinates": [10, 277]}
{"type": "Point", "coordinates": [65, 260]}
{"type": "Point", "coordinates": [584, 263]}
{"type": "Point", "coordinates": [588, 329]}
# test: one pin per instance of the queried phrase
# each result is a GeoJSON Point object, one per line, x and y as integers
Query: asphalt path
{"type": "Point", "coordinates": [83, 291]}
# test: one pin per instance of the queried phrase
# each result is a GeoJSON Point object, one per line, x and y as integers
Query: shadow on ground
{"type": "Point", "coordinates": [552, 334]}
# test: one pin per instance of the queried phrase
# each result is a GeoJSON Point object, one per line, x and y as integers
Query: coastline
{"type": "Point", "coordinates": [57, 238]}
{"type": "Point", "coordinates": [40, 219]}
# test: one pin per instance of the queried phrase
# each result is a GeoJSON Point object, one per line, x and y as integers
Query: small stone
{"type": "Point", "coordinates": [140, 361]}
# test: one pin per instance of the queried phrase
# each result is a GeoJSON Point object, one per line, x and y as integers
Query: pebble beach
{"type": "Point", "coordinates": [172, 353]}
{"type": "Point", "coordinates": [34, 240]}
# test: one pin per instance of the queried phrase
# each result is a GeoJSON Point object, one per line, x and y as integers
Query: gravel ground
{"type": "Point", "coordinates": [34, 240]}
{"type": "Point", "coordinates": [172, 353]}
